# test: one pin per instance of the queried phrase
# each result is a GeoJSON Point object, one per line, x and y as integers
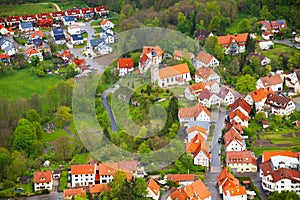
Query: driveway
{"type": "Point", "coordinates": [286, 42]}
{"type": "Point", "coordinates": [51, 196]}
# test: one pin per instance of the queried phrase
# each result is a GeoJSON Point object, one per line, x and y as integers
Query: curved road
{"type": "Point", "coordinates": [113, 124]}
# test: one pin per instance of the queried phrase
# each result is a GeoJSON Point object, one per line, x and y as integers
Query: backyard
{"type": "Point", "coordinates": [23, 9]}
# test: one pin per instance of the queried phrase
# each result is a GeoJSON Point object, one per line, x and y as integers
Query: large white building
{"type": "Point", "coordinates": [280, 105]}
{"type": "Point", "coordinates": [197, 113]}
{"type": "Point", "coordinates": [43, 180]}
{"type": "Point", "coordinates": [83, 175]}
{"type": "Point", "coordinates": [274, 82]}
{"type": "Point", "coordinates": [241, 161]}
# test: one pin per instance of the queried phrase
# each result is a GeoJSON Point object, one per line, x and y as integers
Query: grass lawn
{"type": "Point", "coordinates": [49, 137]}
{"type": "Point", "coordinates": [279, 48]}
{"type": "Point", "coordinates": [72, 128]}
{"type": "Point", "coordinates": [63, 181]}
{"type": "Point", "coordinates": [80, 46]}
{"type": "Point", "coordinates": [22, 9]}
{"type": "Point", "coordinates": [233, 27]}
{"type": "Point", "coordinates": [65, 5]}
{"type": "Point", "coordinates": [96, 23]}
{"type": "Point", "coordinates": [83, 158]}
{"type": "Point", "coordinates": [23, 84]}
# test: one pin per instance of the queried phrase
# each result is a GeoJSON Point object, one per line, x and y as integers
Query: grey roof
{"type": "Point", "coordinates": [77, 37]}
{"type": "Point", "coordinates": [204, 124]}
{"type": "Point", "coordinates": [59, 37]}
{"type": "Point", "coordinates": [58, 31]}
{"type": "Point", "coordinates": [37, 42]}
{"type": "Point", "coordinates": [26, 25]}
{"type": "Point", "coordinates": [69, 18]}
{"type": "Point", "coordinates": [96, 42]}
{"type": "Point", "coordinates": [8, 48]}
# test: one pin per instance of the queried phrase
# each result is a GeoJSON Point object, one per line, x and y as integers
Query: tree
{"type": "Point", "coordinates": [246, 84]}
{"type": "Point", "coordinates": [33, 116]}
{"type": "Point", "coordinates": [244, 26]}
{"type": "Point", "coordinates": [63, 114]}
{"type": "Point", "coordinates": [23, 142]}
{"type": "Point", "coordinates": [5, 160]}
{"type": "Point", "coordinates": [215, 24]}
{"type": "Point", "coordinates": [62, 148]}
{"type": "Point", "coordinates": [256, 66]}
{"type": "Point", "coordinates": [284, 195]}
{"type": "Point", "coordinates": [17, 166]}
{"type": "Point", "coordinates": [210, 44]}
{"type": "Point", "coordinates": [265, 13]}
{"type": "Point", "coordinates": [182, 23]}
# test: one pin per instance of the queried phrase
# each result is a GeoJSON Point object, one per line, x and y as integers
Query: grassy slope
{"type": "Point", "coordinates": [23, 84]}
{"type": "Point", "coordinates": [10, 10]}
{"type": "Point", "coordinates": [233, 27]}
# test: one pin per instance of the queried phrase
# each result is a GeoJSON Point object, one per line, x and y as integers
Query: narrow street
{"type": "Point", "coordinates": [113, 123]}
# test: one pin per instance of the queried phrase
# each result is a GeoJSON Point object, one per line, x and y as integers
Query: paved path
{"type": "Point", "coordinates": [113, 123]}
{"type": "Point", "coordinates": [51, 196]}
{"type": "Point", "coordinates": [211, 183]}
{"type": "Point", "coordinates": [286, 42]}
{"type": "Point", "coordinates": [66, 128]}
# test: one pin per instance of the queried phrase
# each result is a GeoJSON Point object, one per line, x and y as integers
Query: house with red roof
{"type": "Point", "coordinates": [239, 117]}
{"type": "Point", "coordinates": [150, 55]}
{"type": "Point", "coordinates": [28, 18]}
{"type": "Point", "coordinates": [72, 193]}
{"type": "Point", "coordinates": [241, 105]}
{"type": "Point", "coordinates": [233, 44]}
{"type": "Point", "coordinates": [192, 91]}
{"type": "Point", "coordinates": [153, 189]}
{"type": "Point", "coordinates": [42, 180]}
{"type": "Point", "coordinates": [273, 26]}
{"type": "Point", "coordinates": [87, 12]}
{"type": "Point", "coordinates": [181, 179]}
{"type": "Point", "coordinates": [75, 13]}
{"type": "Point", "coordinates": [207, 98]}
{"type": "Point", "coordinates": [43, 16]}
{"type": "Point", "coordinates": [194, 130]}
{"type": "Point", "coordinates": [102, 10]}
{"type": "Point", "coordinates": [274, 82]}
{"type": "Point", "coordinates": [241, 161]}
{"type": "Point", "coordinates": [45, 22]}
{"type": "Point", "coordinates": [125, 66]}
{"type": "Point", "coordinates": [267, 35]}
{"type": "Point", "coordinates": [179, 55]}
{"type": "Point", "coordinates": [280, 105]}
{"type": "Point", "coordinates": [5, 58]}
{"type": "Point", "coordinates": [12, 21]}
{"type": "Point", "coordinates": [106, 24]}
{"type": "Point", "coordinates": [36, 35]}
{"type": "Point", "coordinates": [3, 30]}
{"type": "Point", "coordinates": [258, 97]}
{"type": "Point", "coordinates": [83, 175]}
{"type": "Point", "coordinates": [233, 141]}
{"type": "Point", "coordinates": [31, 52]}
{"type": "Point", "coordinates": [58, 15]}
{"type": "Point", "coordinates": [199, 150]}
{"type": "Point", "coordinates": [206, 59]}
{"type": "Point", "coordinates": [228, 95]}
{"type": "Point", "coordinates": [196, 113]}
{"type": "Point", "coordinates": [98, 188]}
{"type": "Point", "coordinates": [205, 74]}
{"type": "Point", "coordinates": [238, 193]}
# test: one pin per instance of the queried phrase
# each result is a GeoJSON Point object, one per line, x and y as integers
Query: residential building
{"type": "Point", "coordinates": [265, 45]}
{"type": "Point", "coordinates": [199, 150]}
{"type": "Point", "coordinates": [226, 179]}
{"type": "Point", "coordinates": [201, 35]}
{"type": "Point", "coordinates": [207, 60]}
{"type": "Point", "coordinates": [48, 22]}
{"type": "Point", "coordinates": [83, 175]}
{"type": "Point", "coordinates": [71, 193]}
{"type": "Point", "coordinates": [36, 35]}
{"type": "Point", "coordinates": [12, 21]}
{"type": "Point", "coordinates": [279, 171]}
{"type": "Point", "coordinates": [267, 35]}
{"type": "Point", "coordinates": [235, 193]}
{"type": "Point", "coordinates": [205, 74]}
{"type": "Point", "coordinates": [77, 39]}
{"type": "Point", "coordinates": [58, 15]}
{"type": "Point", "coordinates": [106, 172]}
{"type": "Point", "coordinates": [87, 12]}
{"type": "Point", "coordinates": [204, 124]}
{"type": "Point", "coordinates": [106, 24]}
{"type": "Point", "coordinates": [241, 161]}
{"type": "Point", "coordinates": [274, 82]}
{"type": "Point", "coordinates": [258, 97]}
{"type": "Point", "coordinates": [3, 30]}
{"type": "Point", "coordinates": [104, 49]}
{"type": "Point", "coordinates": [31, 52]}
{"type": "Point", "coordinates": [194, 130]}
{"type": "Point", "coordinates": [59, 36]}
{"type": "Point", "coordinates": [213, 86]}
{"type": "Point", "coordinates": [174, 75]}
{"type": "Point", "coordinates": [280, 105]}
{"type": "Point", "coordinates": [291, 79]}
{"type": "Point", "coordinates": [263, 59]}
{"type": "Point", "coordinates": [68, 20]}
{"type": "Point", "coordinates": [74, 13]}
{"type": "Point", "coordinates": [233, 141]}
{"type": "Point", "coordinates": [42, 16]}
{"type": "Point", "coordinates": [125, 66]}
{"type": "Point", "coordinates": [5, 58]}
{"type": "Point", "coordinates": [106, 31]}
{"type": "Point", "coordinates": [133, 167]}
{"type": "Point", "coordinates": [192, 91]}
{"type": "Point", "coordinates": [273, 26]}
{"type": "Point", "coordinates": [241, 105]}
{"type": "Point", "coordinates": [74, 30]}
{"type": "Point", "coordinates": [102, 10]}
{"type": "Point", "coordinates": [66, 56]}
{"type": "Point", "coordinates": [181, 179]}
{"type": "Point", "coordinates": [233, 44]}
{"type": "Point", "coordinates": [26, 27]}
{"type": "Point", "coordinates": [197, 113]}
{"type": "Point", "coordinates": [179, 55]}
{"type": "Point", "coordinates": [29, 18]}
{"type": "Point", "coordinates": [208, 98]}
{"type": "Point", "coordinates": [42, 180]}
{"type": "Point", "coordinates": [226, 96]}
{"type": "Point", "coordinates": [239, 117]}
{"type": "Point", "coordinates": [153, 189]}
{"type": "Point", "coordinates": [98, 188]}
{"type": "Point", "coordinates": [7, 46]}
{"type": "Point", "coordinates": [150, 55]}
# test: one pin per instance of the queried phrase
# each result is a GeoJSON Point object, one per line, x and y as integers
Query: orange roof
{"type": "Point", "coordinates": [154, 187]}
{"type": "Point", "coordinates": [143, 59]}
{"type": "Point", "coordinates": [125, 165]}
{"type": "Point", "coordinates": [240, 157]}
{"type": "Point", "coordinates": [197, 144]}
{"type": "Point", "coordinates": [182, 54]}
{"type": "Point", "coordinates": [31, 51]}
{"type": "Point", "coordinates": [193, 111]}
{"type": "Point", "coordinates": [79, 62]}
{"type": "Point", "coordinates": [150, 49]}
{"type": "Point", "coordinates": [180, 177]}
{"type": "Point", "coordinates": [228, 38]}
{"type": "Point", "coordinates": [226, 175]}
{"type": "Point", "coordinates": [268, 154]}
{"type": "Point", "coordinates": [271, 80]}
{"type": "Point", "coordinates": [235, 125]}
{"type": "Point", "coordinates": [237, 191]}
{"type": "Point", "coordinates": [196, 128]}
{"type": "Point", "coordinates": [125, 62]}
{"type": "Point", "coordinates": [82, 169]}
{"type": "Point", "coordinates": [204, 57]}
{"type": "Point", "coordinates": [260, 94]}
{"type": "Point", "coordinates": [74, 192]}
{"type": "Point", "coordinates": [4, 56]}
{"type": "Point", "coordinates": [196, 88]}
{"type": "Point", "coordinates": [200, 189]}
{"type": "Point", "coordinates": [105, 170]}
{"type": "Point", "coordinates": [242, 103]}
{"type": "Point", "coordinates": [204, 72]}
{"type": "Point", "coordinates": [179, 194]}
{"type": "Point", "coordinates": [232, 134]}
{"type": "Point", "coordinates": [98, 188]}
{"type": "Point", "coordinates": [42, 177]}
{"type": "Point", "coordinates": [239, 114]}
{"type": "Point", "coordinates": [174, 70]}
{"type": "Point", "coordinates": [39, 33]}
{"type": "Point", "coordinates": [104, 22]}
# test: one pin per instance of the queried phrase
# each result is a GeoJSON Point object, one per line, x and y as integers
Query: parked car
{"type": "Point", "coordinates": [219, 140]}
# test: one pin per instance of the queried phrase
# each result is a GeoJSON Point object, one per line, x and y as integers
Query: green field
{"type": "Point", "coordinates": [23, 84]}
{"type": "Point", "coordinates": [58, 133]}
{"type": "Point", "coordinates": [279, 48]}
{"type": "Point", "coordinates": [233, 27]}
{"type": "Point", "coordinates": [23, 9]}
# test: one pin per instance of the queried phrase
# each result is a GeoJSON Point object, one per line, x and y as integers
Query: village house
{"type": "Point", "coordinates": [5, 31]}
{"type": "Point", "coordinates": [267, 35]}
{"type": "Point", "coordinates": [68, 20]}
{"type": "Point", "coordinates": [263, 59]}
{"type": "Point", "coordinates": [83, 175]}
{"type": "Point", "coordinates": [42, 16]}
{"type": "Point", "coordinates": [12, 21]}
{"type": "Point", "coordinates": [25, 27]}
{"type": "Point", "coordinates": [74, 30]}
{"type": "Point", "coordinates": [43, 180]}
{"type": "Point", "coordinates": [28, 18]}
{"type": "Point", "coordinates": [191, 92]}
{"type": "Point", "coordinates": [279, 171]}
{"type": "Point", "coordinates": [233, 141]}
{"type": "Point", "coordinates": [7, 46]}
{"type": "Point", "coordinates": [174, 75]}
{"type": "Point", "coordinates": [197, 113]}
{"type": "Point", "coordinates": [265, 45]}
{"type": "Point", "coordinates": [233, 44]}
{"type": "Point", "coordinates": [74, 13]}
{"type": "Point", "coordinates": [206, 60]}
{"type": "Point", "coordinates": [5, 58]}
{"type": "Point", "coordinates": [71, 193]}
{"type": "Point", "coordinates": [205, 74]}
{"type": "Point", "coordinates": [48, 22]}
{"type": "Point", "coordinates": [194, 130]}
{"type": "Point", "coordinates": [66, 56]}
{"type": "Point", "coordinates": [273, 26]}
{"type": "Point", "coordinates": [106, 31]}
{"type": "Point", "coordinates": [104, 49]}
{"type": "Point", "coordinates": [106, 172]}
{"type": "Point", "coordinates": [87, 12]}
{"type": "Point", "coordinates": [241, 105]}
{"type": "Point", "coordinates": [274, 82]}
{"type": "Point", "coordinates": [153, 189]}
{"type": "Point", "coordinates": [58, 15]}
{"type": "Point", "coordinates": [125, 66]}
{"type": "Point", "coordinates": [77, 39]}
{"type": "Point", "coordinates": [291, 79]}
{"type": "Point", "coordinates": [41, 45]}
{"type": "Point", "coordinates": [35, 35]}
{"type": "Point", "coordinates": [181, 179]}
{"type": "Point", "coordinates": [235, 193]}
{"type": "Point", "coordinates": [102, 10]}
{"type": "Point", "coordinates": [195, 191]}
{"type": "Point", "coordinates": [280, 105]}
{"type": "Point", "coordinates": [31, 52]}
{"type": "Point", "coordinates": [258, 97]}
{"type": "Point", "coordinates": [150, 55]}
{"type": "Point", "coordinates": [213, 86]}
{"type": "Point", "coordinates": [226, 179]}
{"type": "Point", "coordinates": [98, 188]}
{"type": "Point", "coordinates": [226, 95]}
{"type": "Point", "coordinates": [235, 125]}
{"type": "Point", "coordinates": [109, 39]}
{"type": "Point", "coordinates": [208, 98]}
{"type": "Point", "coordinates": [199, 150]}
{"type": "Point", "coordinates": [239, 117]}
{"type": "Point", "coordinates": [201, 35]}
{"type": "Point", "coordinates": [241, 161]}
{"type": "Point", "coordinates": [180, 55]}
{"type": "Point", "coordinates": [106, 24]}
{"type": "Point", "coordinates": [132, 167]}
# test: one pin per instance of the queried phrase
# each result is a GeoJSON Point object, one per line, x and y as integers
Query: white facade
{"type": "Point", "coordinates": [292, 78]}
{"type": "Point", "coordinates": [228, 196]}
{"type": "Point", "coordinates": [212, 63]}
{"type": "Point", "coordinates": [259, 105]}
{"type": "Point", "coordinates": [74, 30]}
{"type": "Point", "coordinates": [43, 186]}
{"type": "Point", "coordinates": [275, 87]}
{"type": "Point", "coordinates": [203, 116]}
{"type": "Point", "coordinates": [243, 123]}
{"type": "Point", "coordinates": [104, 49]}
{"type": "Point", "coordinates": [214, 88]}
{"type": "Point", "coordinates": [174, 80]}
{"type": "Point", "coordinates": [242, 167]}
{"type": "Point", "coordinates": [107, 25]}
{"type": "Point", "coordinates": [229, 98]}
{"type": "Point", "coordinates": [152, 195]}
{"type": "Point", "coordinates": [201, 159]}
{"type": "Point", "coordinates": [106, 178]}
{"type": "Point", "coordinates": [124, 71]}
{"type": "Point", "coordinates": [265, 61]}
{"type": "Point", "coordinates": [213, 100]}
{"type": "Point", "coordinates": [281, 111]}
{"type": "Point", "coordinates": [265, 45]}
{"type": "Point", "coordinates": [235, 145]}
{"type": "Point", "coordinates": [297, 87]}
{"type": "Point", "coordinates": [191, 135]}
{"type": "Point", "coordinates": [281, 185]}
{"type": "Point", "coordinates": [79, 180]}
{"type": "Point", "coordinates": [109, 39]}
{"type": "Point", "coordinates": [199, 79]}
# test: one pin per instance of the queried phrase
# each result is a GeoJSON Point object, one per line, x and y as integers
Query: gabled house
{"type": "Point", "coordinates": [106, 24]}
{"type": "Point", "coordinates": [58, 15]}
{"type": "Point", "coordinates": [226, 95]}
{"type": "Point", "coordinates": [125, 66]}
{"type": "Point", "coordinates": [5, 58]}
{"type": "Point", "coordinates": [87, 12]}
{"type": "Point", "coordinates": [83, 175]}
{"type": "Point", "coordinates": [194, 130]}
{"type": "Point", "coordinates": [7, 46]}
{"type": "Point", "coordinates": [208, 98]}
{"type": "Point", "coordinates": [291, 79]}
{"type": "Point", "coordinates": [72, 193]}
{"type": "Point", "coordinates": [74, 13]}
{"type": "Point", "coordinates": [241, 105]}
{"type": "Point", "coordinates": [102, 10]}
{"type": "Point", "coordinates": [201, 35]}
{"type": "Point", "coordinates": [239, 117]}
{"type": "Point", "coordinates": [150, 55]}
{"type": "Point", "coordinates": [3, 30]}
{"type": "Point", "coordinates": [274, 82]}
{"type": "Point", "coordinates": [181, 179]}
{"type": "Point", "coordinates": [235, 125]}
{"type": "Point", "coordinates": [48, 22]}
{"type": "Point", "coordinates": [233, 141]}
{"type": "Point", "coordinates": [267, 35]}
{"type": "Point", "coordinates": [130, 167]}
{"type": "Point", "coordinates": [238, 193]}
{"type": "Point", "coordinates": [263, 59]}
{"type": "Point", "coordinates": [197, 113]}
{"type": "Point", "coordinates": [42, 180]}
{"type": "Point", "coordinates": [177, 74]}
{"type": "Point", "coordinates": [199, 150]}
{"type": "Point", "coordinates": [273, 26]}
{"type": "Point", "coordinates": [106, 172]}
{"type": "Point", "coordinates": [104, 49]}
{"type": "Point", "coordinates": [153, 189]}
{"type": "Point", "coordinates": [280, 105]}
{"type": "Point", "coordinates": [98, 188]}
{"type": "Point", "coordinates": [26, 27]}
{"type": "Point", "coordinates": [192, 91]}
{"type": "Point", "coordinates": [31, 52]}
{"type": "Point", "coordinates": [36, 35]}
{"type": "Point", "coordinates": [207, 60]}
{"type": "Point", "coordinates": [12, 21]}
{"type": "Point", "coordinates": [225, 179]}
{"type": "Point", "coordinates": [68, 20]}
{"type": "Point", "coordinates": [60, 39]}
{"type": "Point", "coordinates": [28, 18]}
{"type": "Point", "coordinates": [258, 97]}
{"type": "Point", "coordinates": [241, 161]}
{"type": "Point", "coordinates": [265, 45]}
{"type": "Point", "coordinates": [40, 45]}
{"type": "Point", "coordinates": [74, 30]}
{"type": "Point", "coordinates": [233, 44]}
{"type": "Point", "coordinates": [77, 39]}
{"type": "Point", "coordinates": [106, 32]}
{"type": "Point", "coordinates": [179, 55]}
{"type": "Point", "coordinates": [66, 56]}
{"type": "Point", "coordinates": [42, 16]}
{"type": "Point", "coordinates": [205, 74]}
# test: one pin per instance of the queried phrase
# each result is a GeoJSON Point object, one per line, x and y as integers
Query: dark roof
{"type": "Point", "coordinates": [69, 18]}
{"type": "Point", "coordinates": [96, 42]}
{"type": "Point", "coordinates": [58, 31]}
{"type": "Point", "coordinates": [37, 42]}
{"type": "Point", "coordinates": [202, 34]}
{"type": "Point", "coordinates": [277, 101]}
{"type": "Point", "coordinates": [77, 37]}
{"type": "Point", "coordinates": [252, 54]}
{"type": "Point", "coordinates": [26, 25]}
{"type": "Point", "coordinates": [59, 37]}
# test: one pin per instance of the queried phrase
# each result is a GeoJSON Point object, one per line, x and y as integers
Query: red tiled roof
{"type": "Point", "coordinates": [174, 70]}
{"type": "Point", "coordinates": [43, 15]}
{"type": "Point", "coordinates": [237, 191]}
{"type": "Point", "coordinates": [2, 56]}
{"type": "Point", "coordinates": [74, 192]}
{"type": "Point", "coordinates": [204, 72]}
{"type": "Point", "coordinates": [196, 88]}
{"type": "Point", "coordinates": [87, 10]}
{"type": "Point", "coordinates": [98, 188]}
{"type": "Point", "coordinates": [101, 8]}
{"type": "Point", "coordinates": [30, 51]}
{"type": "Point", "coordinates": [143, 59]}
{"type": "Point", "coordinates": [197, 142]}
{"type": "Point", "coordinates": [242, 103]}
{"type": "Point", "coordinates": [178, 194]}
{"type": "Point", "coordinates": [235, 125]}
{"type": "Point", "coordinates": [196, 128]}
{"type": "Point", "coordinates": [181, 54]}
{"type": "Point", "coordinates": [204, 57]}
{"type": "Point", "coordinates": [73, 12]}
{"type": "Point", "coordinates": [104, 22]}
{"type": "Point", "coordinates": [58, 14]}
{"type": "Point", "coordinates": [205, 94]}
{"type": "Point", "coordinates": [232, 134]}
{"type": "Point", "coordinates": [150, 49]}
{"type": "Point", "coordinates": [125, 63]}
{"type": "Point", "coordinates": [271, 80]}
{"type": "Point", "coordinates": [28, 17]}
{"type": "Point", "coordinates": [79, 62]}
{"type": "Point", "coordinates": [228, 38]}
{"type": "Point", "coordinates": [240, 157]}
{"type": "Point", "coordinates": [268, 154]}
{"type": "Point", "coordinates": [193, 111]}
{"type": "Point", "coordinates": [42, 177]}
{"type": "Point", "coordinates": [13, 19]}
{"type": "Point", "coordinates": [261, 94]}
{"type": "Point", "coordinates": [38, 33]}
{"type": "Point", "coordinates": [82, 169]}
{"type": "Point", "coordinates": [226, 175]}
{"type": "Point", "coordinates": [199, 188]}
{"type": "Point", "coordinates": [154, 187]}
{"type": "Point", "coordinates": [180, 177]}
{"type": "Point", "coordinates": [239, 114]}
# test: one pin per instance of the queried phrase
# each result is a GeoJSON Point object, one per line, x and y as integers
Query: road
{"type": "Point", "coordinates": [113, 123]}
{"type": "Point", "coordinates": [286, 42]}
{"type": "Point", "coordinates": [51, 196]}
